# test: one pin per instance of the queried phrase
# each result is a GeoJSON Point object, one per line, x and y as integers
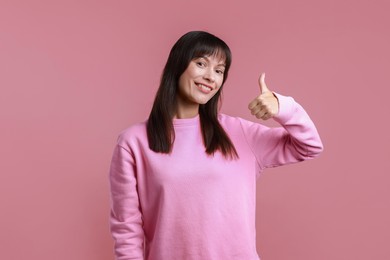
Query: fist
{"type": "Point", "coordinates": [266, 105]}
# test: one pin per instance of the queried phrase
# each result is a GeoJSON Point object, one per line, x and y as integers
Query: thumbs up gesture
{"type": "Point", "coordinates": [266, 105]}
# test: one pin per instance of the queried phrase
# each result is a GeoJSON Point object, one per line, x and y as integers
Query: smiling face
{"type": "Point", "coordinates": [198, 84]}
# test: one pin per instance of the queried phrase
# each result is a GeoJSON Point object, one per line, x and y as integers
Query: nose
{"type": "Point", "coordinates": [209, 75]}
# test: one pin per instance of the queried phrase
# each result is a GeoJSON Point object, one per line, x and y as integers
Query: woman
{"type": "Point", "coordinates": [183, 183]}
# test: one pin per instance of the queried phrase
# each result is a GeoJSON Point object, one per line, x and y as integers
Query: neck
{"type": "Point", "coordinates": [188, 112]}
{"type": "Point", "coordinates": [186, 109]}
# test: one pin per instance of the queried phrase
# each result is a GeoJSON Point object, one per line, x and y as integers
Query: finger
{"type": "Point", "coordinates": [263, 86]}
{"type": "Point", "coordinates": [255, 110]}
{"type": "Point", "coordinates": [253, 104]}
{"type": "Point", "coordinates": [256, 102]}
{"type": "Point", "coordinates": [261, 113]}
{"type": "Point", "coordinates": [267, 116]}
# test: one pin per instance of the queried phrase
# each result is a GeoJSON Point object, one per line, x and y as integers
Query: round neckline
{"type": "Point", "coordinates": [186, 121]}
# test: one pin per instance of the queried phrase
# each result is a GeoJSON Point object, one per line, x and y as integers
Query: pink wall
{"type": "Point", "coordinates": [75, 73]}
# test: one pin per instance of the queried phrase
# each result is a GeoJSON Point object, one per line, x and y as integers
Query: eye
{"type": "Point", "coordinates": [220, 72]}
{"type": "Point", "coordinates": [200, 64]}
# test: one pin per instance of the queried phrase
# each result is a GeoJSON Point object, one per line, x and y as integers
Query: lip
{"type": "Point", "coordinates": [206, 91]}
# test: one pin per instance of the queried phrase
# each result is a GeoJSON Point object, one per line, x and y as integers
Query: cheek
{"type": "Point", "coordinates": [220, 82]}
{"type": "Point", "coordinates": [181, 83]}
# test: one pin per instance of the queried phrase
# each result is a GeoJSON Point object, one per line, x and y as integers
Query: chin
{"type": "Point", "coordinates": [203, 102]}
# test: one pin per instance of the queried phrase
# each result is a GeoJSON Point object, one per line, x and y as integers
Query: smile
{"type": "Point", "coordinates": [204, 88]}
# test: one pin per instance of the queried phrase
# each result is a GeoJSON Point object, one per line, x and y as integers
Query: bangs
{"type": "Point", "coordinates": [212, 50]}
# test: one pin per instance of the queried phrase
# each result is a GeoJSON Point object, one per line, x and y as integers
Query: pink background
{"type": "Point", "coordinates": [73, 74]}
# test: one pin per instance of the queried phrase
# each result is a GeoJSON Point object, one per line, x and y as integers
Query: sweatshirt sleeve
{"type": "Point", "coordinates": [125, 217]}
{"type": "Point", "coordinates": [296, 140]}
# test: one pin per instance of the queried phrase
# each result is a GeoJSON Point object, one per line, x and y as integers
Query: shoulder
{"type": "Point", "coordinates": [133, 134]}
{"type": "Point", "coordinates": [234, 121]}
{"type": "Point", "coordinates": [228, 121]}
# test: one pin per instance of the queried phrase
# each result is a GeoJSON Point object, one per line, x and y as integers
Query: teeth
{"type": "Point", "coordinates": [204, 87]}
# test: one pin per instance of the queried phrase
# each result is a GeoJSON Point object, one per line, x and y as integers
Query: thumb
{"type": "Point", "coordinates": [263, 86]}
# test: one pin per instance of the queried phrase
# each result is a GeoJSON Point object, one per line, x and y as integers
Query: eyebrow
{"type": "Point", "coordinates": [206, 57]}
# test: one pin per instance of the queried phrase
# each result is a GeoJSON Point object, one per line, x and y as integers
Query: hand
{"type": "Point", "coordinates": [266, 105]}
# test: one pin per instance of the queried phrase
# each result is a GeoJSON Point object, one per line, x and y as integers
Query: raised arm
{"type": "Point", "coordinates": [297, 139]}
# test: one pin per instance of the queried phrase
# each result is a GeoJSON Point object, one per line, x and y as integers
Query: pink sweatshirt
{"type": "Point", "coordinates": [188, 205]}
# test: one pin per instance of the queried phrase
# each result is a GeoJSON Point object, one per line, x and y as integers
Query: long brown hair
{"type": "Point", "coordinates": [161, 134]}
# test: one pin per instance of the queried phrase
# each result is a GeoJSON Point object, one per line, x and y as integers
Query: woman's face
{"type": "Point", "coordinates": [200, 81]}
